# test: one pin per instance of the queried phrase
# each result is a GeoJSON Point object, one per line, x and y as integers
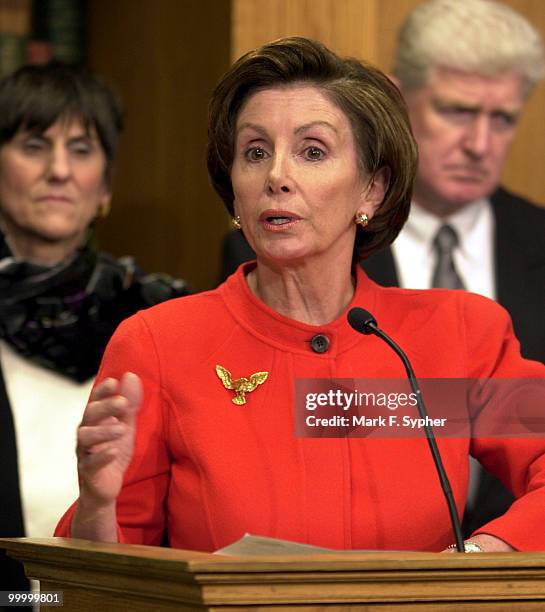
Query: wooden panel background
{"type": "Point", "coordinates": [166, 55]}
{"type": "Point", "coordinates": [347, 26]}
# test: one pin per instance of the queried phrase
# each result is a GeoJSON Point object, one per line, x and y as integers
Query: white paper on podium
{"type": "Point", "coordinates": [254, 545]}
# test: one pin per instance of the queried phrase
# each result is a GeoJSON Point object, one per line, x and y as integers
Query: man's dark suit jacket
{"type": "Point", "coordinates": [519, 258]}
{"type": "Point", "coordinates": [519, 261]}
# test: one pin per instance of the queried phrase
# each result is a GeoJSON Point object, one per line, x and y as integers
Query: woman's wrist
{"type": "Point", "coordinates": [483, 542]}
{"type": "Point", "coordinates": [94, 521]}
{"type": "Point", "coordinates": [470, 546]}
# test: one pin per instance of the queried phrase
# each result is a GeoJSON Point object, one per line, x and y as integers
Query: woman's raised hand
{"type": "Point", "coordinates": [105, 447]}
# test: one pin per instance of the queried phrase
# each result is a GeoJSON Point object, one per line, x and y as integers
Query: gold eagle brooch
{"type": "Point", "coordinates": [240, 386]}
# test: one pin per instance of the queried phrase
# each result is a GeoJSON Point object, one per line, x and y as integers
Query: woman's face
{"type": "Point", "coordinates": [296, 177]}
{"type": "Point", "coordinates": [51, 184]}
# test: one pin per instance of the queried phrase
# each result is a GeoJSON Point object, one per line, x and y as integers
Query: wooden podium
{"type": "Point", "coordinates": [103, 577]}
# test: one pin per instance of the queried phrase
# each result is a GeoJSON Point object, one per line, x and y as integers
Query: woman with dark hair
{"type": "Point", "coordinates": [314, 158]}
{"type": "Point", "coordinates": [60, 300]}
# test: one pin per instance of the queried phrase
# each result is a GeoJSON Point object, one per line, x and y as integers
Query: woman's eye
{"type": "Point", "coordinates": [34, 145]}
{"type": "Point", "coordinates": [80, 147]}
{"type": "Point", "coordinates": [81, 150]}
{"type": "Point", "coordinates": [314, 153]}
{"type": "Point", "coordinates": [256, 154]}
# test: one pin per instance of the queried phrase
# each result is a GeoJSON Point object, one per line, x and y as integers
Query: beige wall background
{"type": "Point", "coordinates": [166, 55]}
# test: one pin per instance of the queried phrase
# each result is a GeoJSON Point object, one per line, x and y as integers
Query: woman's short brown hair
{"type": "Point", "coordinates": [369, 99]}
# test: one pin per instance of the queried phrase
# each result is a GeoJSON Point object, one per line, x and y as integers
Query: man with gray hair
{"type": "Point", "coordinates": [465, 68]}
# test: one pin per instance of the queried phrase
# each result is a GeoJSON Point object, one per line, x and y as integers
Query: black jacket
{"type": "Point", "coordinates": [519, 263]}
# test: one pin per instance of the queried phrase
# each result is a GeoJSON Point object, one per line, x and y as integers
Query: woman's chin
{"type": "Point", "coordinates": [296, 252]}
{"type": "Point", "coordinates": [286, 257]}
{"type": "Point", "coordinates": [56, 233]}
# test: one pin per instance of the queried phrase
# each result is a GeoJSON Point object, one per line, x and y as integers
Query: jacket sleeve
{"type": "Point", "coordinates": [510, 388]}
{"type": "Point", "coordinates": [141, 502]}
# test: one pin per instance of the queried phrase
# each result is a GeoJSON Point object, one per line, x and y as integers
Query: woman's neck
{"type": "Point", "coordinates": [41, 252]}
{"type": "Point", "coordinates": [306, 292]}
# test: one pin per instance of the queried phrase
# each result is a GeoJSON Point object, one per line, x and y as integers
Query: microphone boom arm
{"type": "Point", "coordinates": [363, 322]}
{"type": "Point", "coordinates": [441, 472]}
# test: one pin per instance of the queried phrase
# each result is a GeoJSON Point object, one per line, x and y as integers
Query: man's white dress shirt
{"type": "Point", "coordinates": [473, 257]}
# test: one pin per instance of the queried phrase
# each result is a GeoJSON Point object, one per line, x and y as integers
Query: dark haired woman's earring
{"type": "Point", "coordinates": [103, 209]}
{"type": "Point", "coordinates": [361, 219]}
{"type": "Point", "coordinates": [235, 222]}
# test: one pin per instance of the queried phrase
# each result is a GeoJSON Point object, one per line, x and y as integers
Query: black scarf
{"type": "Point", "coordinates": [62, 317]}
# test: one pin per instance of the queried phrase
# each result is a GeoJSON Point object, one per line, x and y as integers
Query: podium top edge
{"type": "Point", "coordinates": [139, 556]}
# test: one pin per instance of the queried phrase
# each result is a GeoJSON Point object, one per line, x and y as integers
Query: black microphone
{"type": "Point", "coordinates": [365, 323]}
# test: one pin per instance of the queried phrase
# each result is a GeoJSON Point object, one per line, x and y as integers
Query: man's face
{"type": "Point", "coordinates": [464, 124]}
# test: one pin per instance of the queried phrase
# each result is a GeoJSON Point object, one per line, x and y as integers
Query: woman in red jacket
{"type": "Point", "coordinates": [314, 158]}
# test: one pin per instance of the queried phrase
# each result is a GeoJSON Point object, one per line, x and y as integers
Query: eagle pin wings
{"type": "Point", "coordinates": [240, 386]}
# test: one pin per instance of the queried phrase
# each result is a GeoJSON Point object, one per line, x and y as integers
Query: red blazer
{"type": "Point", "coordinates": [207, 471]}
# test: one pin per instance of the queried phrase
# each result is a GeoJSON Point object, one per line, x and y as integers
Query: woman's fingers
{"type": "Point", "coordinates": [105, 439]}
{"type": "Point", "coordinates": [116, 406]}
{"type": "Point", "coordinates": [131, 388]}
{"type": "Point", "coordinates": [89, 436]}
{"type": "Point", "coordinates": [104, 389]}
{"type": "Point", "coordinates": [112, 398]}
{"type": "Point", "coordinates": [89, 463]}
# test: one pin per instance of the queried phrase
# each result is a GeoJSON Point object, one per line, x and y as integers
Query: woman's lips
{"type": "Point", "coordinates": [54, 198]}
{"type": "Point", "coordinates": [278, 220]}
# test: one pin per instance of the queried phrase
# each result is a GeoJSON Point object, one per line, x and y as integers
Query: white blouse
{"type": "Point", "coordinates": [47, 409]}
